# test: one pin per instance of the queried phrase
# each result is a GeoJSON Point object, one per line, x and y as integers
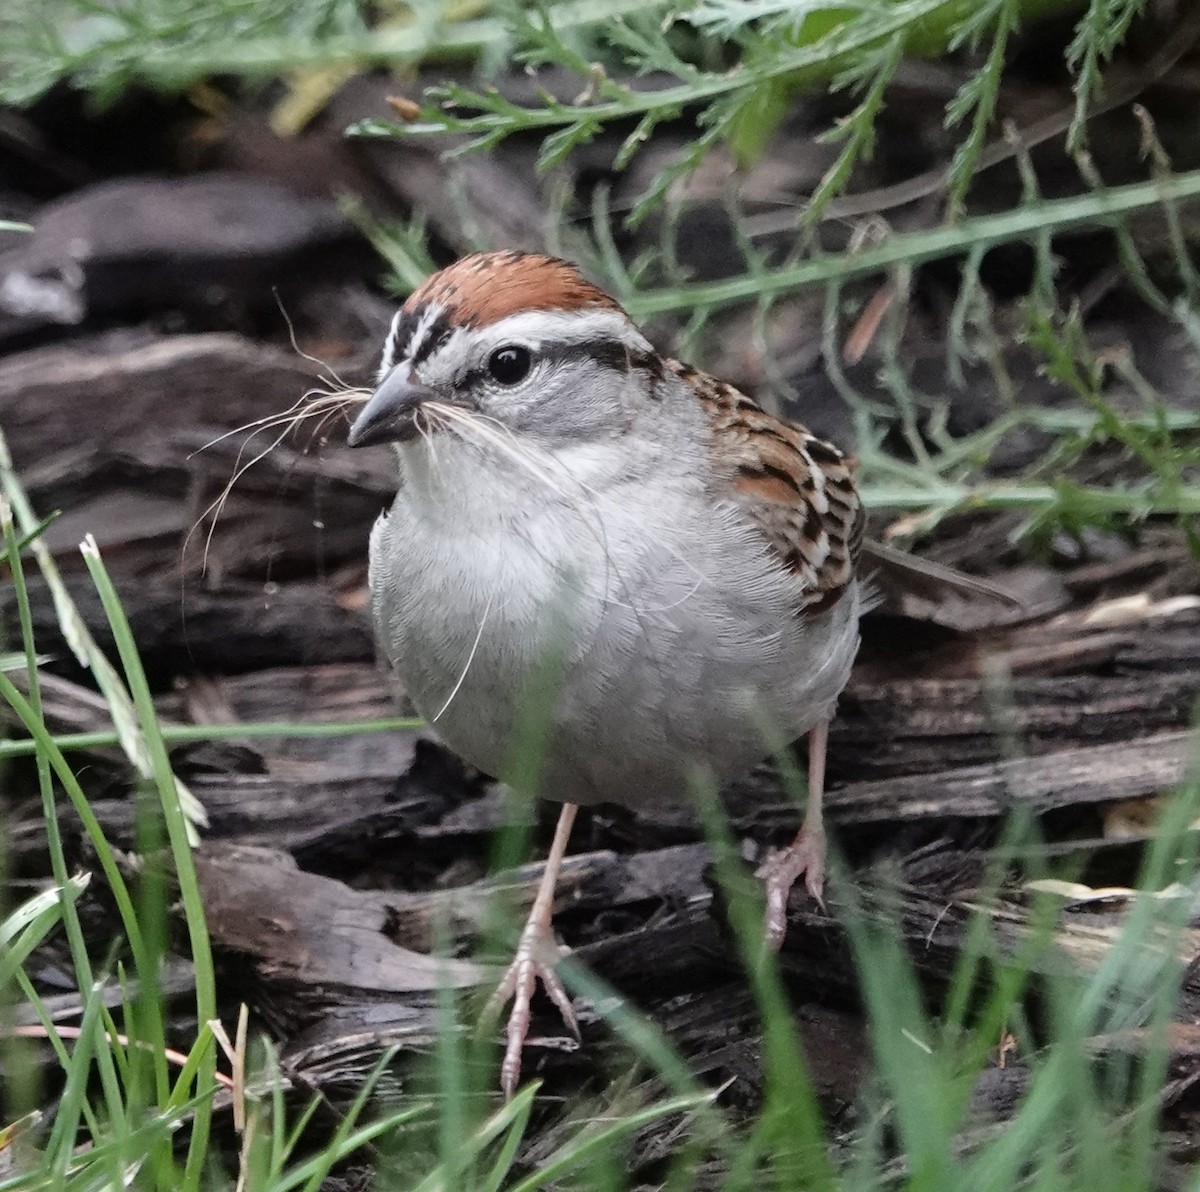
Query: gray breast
{"type": "Point", "coordinates": [627, 648]}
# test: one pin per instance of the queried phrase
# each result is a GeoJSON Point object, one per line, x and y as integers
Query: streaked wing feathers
{"type": "Point", "coordinates": [797, 490]}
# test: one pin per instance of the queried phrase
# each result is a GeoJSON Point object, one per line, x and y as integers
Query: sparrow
{"type": "Point", "coordinates": [605, 560]}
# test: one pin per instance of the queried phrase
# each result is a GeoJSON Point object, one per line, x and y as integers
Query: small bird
{"type": "Point", "coordinates": [665, 572]}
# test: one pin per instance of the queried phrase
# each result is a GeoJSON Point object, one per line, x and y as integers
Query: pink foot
{"type": "Point", "coordinates": [534, 961]}
{"type": "Point", "coordinates": [780, 871]}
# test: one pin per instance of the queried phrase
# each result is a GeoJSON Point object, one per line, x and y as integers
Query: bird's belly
{"type": "Point", "coordinates": [686, 705]}
{"type": "Point", "coordinates": [620, 683]}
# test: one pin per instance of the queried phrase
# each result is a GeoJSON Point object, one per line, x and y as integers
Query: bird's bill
{"type": "Point", "coordinates": [390, 415]}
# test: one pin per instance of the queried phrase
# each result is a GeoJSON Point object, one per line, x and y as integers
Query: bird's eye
{"type": "Point", "coordinates": [509, 366]}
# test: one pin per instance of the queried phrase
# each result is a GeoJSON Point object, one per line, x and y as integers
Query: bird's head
{"type": "Point", "coordinates": [515, 339]}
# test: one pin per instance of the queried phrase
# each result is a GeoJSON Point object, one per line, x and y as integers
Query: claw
{"type": "Point", "coordinates": [780, 871]}
{"type": "Point", "coordinates": [529, 966]}
{"type": "Point", "coordinates": [537, 953]}
{"type": "Point", "coordinates": [804, 856]}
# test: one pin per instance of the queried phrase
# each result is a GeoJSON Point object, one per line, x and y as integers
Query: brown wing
{"type": "Point", "coordinates": [797, 489]}
{"type": "Point", "coordinates": [930, 580]}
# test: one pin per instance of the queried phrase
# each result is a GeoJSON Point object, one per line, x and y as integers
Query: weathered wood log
{"type": "Point", "coordinates": [1094, 773]}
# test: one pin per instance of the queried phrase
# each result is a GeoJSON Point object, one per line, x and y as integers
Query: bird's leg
{"type": "Point", "coordinates": [537, 952]}
{"type": "Point", "coordinates": [805, 855]}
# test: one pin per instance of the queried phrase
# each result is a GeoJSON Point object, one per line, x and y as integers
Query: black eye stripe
{"type": "Point", "coordinates": [608, 353]}
{"type": "Point", "coordinates": [435, 337]}
{"type": "Point", "coordinates": [612, 354]}
{"type": "Point", "coordinates": [401, 333]}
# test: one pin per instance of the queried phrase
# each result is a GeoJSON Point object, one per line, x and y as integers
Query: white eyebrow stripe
{"type": "Point", "coordinates": [389, 348]}
{"type": "Point", "coordinates": [535, 329]}
{"type": "Point", "coordinates": [541, 328]}
{"type": "Point", "coordinates": [429, 316]}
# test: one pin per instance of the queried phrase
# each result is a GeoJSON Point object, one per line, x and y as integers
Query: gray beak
{"type": "Point", "coordinates": [390, 414]}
